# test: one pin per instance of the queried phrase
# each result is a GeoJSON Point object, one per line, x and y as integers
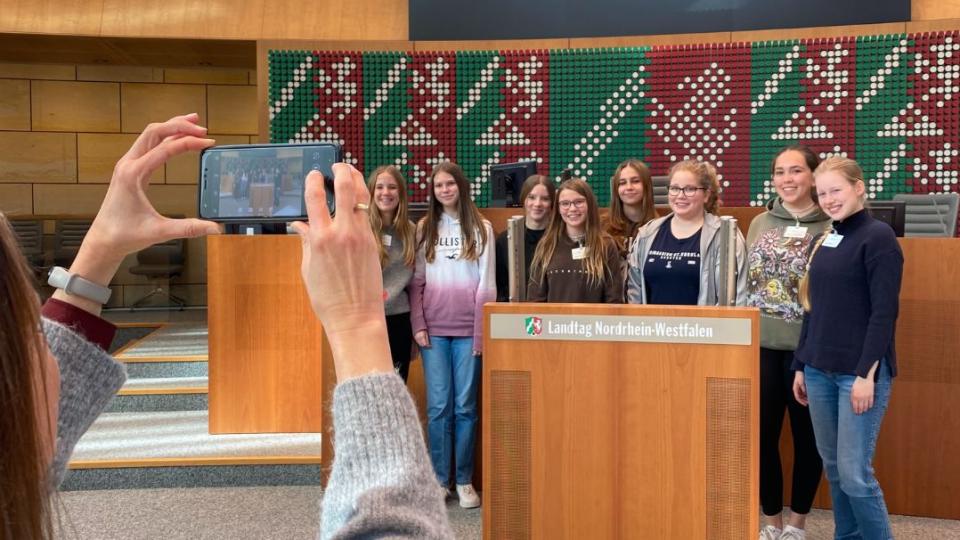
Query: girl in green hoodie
{"type": "Point", "coordinates": [779, 241]}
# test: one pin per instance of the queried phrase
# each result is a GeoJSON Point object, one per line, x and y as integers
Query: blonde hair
{"type": "Point", "coordinates": [706, 176]}
{"type": "Point", "coordinates": [803, 292]}
{"type": "Point", "coordinates": [617, 225]}
{"type": "Point", "coordinates": [401, 223]}
{"type": "Point", "coordinates": [847, 168]}
{"type": "Point", "coordinates": [595, 239]}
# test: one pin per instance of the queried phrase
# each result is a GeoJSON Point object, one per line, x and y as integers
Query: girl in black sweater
{"type": "Point", "coordinates": [538, 193]}
{"type": "Point", "coordinates": [846, 359]}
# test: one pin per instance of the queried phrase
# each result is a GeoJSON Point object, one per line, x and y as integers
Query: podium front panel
{"type": "Point", "coordinates": [607, 436]}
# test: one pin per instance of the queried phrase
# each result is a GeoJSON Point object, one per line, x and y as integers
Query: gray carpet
{"type": "Point", "coordinates": [292, 513]}
{"type": "Point", "coordinates": [181, 339]}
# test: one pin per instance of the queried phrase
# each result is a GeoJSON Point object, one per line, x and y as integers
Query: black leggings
{"type": "Point", "coordinates": [776, 394]}
{"type": "Point", "coordinates": [400, 334]}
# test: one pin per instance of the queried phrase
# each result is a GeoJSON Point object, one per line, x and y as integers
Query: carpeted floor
{"type": "Point", "coordinates": [286, 513]}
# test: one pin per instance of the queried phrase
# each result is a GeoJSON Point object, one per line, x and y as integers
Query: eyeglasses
{"type": "Point", "coordinates": [578, 203]}
{"type": "Point", "coordinates": [688, 191]}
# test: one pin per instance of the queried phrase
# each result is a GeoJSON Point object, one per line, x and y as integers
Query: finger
{"type": "Point", "coordinates": [362, 193]}
{"type": "Point", "coordinates": [302, 229]}
{"type": "Point", "coordinates": [344, 187]}
{"type": "Point", "coordinates": [168, 148]}
{"type": "Point", "coordinates": [188, 228]}
{"type": "Point", "coordinates": [154, 133]}
{"type": "Point", "coordinates": [315, 197]}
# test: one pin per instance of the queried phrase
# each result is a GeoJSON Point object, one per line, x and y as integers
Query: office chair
{"type": "Point", "coordinates": [931, 214]}
{"type": "Point", "coordinates": [161, 261]}
{"type": "Point", "coordinates": [30, 237]}
{"type": "Point", "coordinates": [67, 239]}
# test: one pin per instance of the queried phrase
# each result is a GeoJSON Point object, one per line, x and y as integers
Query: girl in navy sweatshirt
{"type": "Point", "coordinates": [846, 357]}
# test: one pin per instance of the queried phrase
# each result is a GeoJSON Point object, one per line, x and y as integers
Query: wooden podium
{"type": "Point", "coordinates": [271, 368]}
{"type": "Point", "coordinates": [605, 421]}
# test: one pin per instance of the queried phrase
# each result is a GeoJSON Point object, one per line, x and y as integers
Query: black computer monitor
{"type": "Point", "coordinates": [892, 213]}
{"type": "Point", "coordinates": [506, 181]}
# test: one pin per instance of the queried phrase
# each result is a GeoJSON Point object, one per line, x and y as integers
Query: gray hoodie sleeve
{"type": "Point", "coordinates": [89, 378]}
{"type": "Point", "coordinates": [382, 484]}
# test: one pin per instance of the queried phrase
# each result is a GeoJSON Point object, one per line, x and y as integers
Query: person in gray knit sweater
{"type": "Point", "coordinates": [381, 484]}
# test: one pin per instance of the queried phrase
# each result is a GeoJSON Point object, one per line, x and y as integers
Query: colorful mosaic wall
{"type": "Point", "coordinates": [891, 102]}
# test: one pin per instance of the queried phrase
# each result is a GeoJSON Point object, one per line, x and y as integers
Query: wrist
{"type": "Point", "coordinates": [96, 264]}
{"type": "Point", "coordinates": [360, 349]}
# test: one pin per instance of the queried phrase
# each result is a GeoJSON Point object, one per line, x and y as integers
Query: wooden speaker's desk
{"type": "Point", "coordinates": [271, 368]}
{"type": "Point", "coordinates": [594, 430]}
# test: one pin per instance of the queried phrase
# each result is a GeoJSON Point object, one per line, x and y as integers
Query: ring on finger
{"type": "Point", "coordinates": [363, 207]}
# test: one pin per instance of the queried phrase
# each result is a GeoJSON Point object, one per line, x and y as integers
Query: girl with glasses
{"type": "Point", "coordinates": [396, 243]}
{"type": "Point", "coordinates": [631, 203]}
{"type": "Point", "coordinates": [576, 261]}
{"type": "Point", "coordinates": [779, 241]}
{"type": "Point", "coordinates": [454, 277]}
{"type": "Point", "coordinates": [537, 194]}
{"type": "Point", "coordinates": [846, 358]}
{"type": "Point", "coordinates": [675, 259]}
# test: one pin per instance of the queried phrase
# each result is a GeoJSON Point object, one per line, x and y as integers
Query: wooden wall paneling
{"type": "Point", "coordinates": [77, 17]}
{"type": "Point", "coordinates": [938, 25]}
{"type": "Point", "coordinates": [232, 109]}
{"type": "Point", "coordinates": [203, 52]}
{"type": "Point", "coordinates": [650, 41]}
{"type": "Point", "coordinates": [818, 32]}
{"type": "Point", "coordinates": [924, 10]}
{"type": "Point", "coordinates": [335, 20]}
{"type": "Point", "coordinates": [15, 104]}
{"type": "Point", "coordinates": [215, 19]}
{"type": "Point", "coordinates": [492, 45]}
{"type": "Point", "coordinates": [75, 106]}
{"type": "Point", "coordinates": [16, 199]}
{"type": "Point", "coordinates": [38, 157]}
{"type": "Point", "coordinates": [120, 73]}
{"type": "Point", "coordinates": [68, 199]}
{"type": "Point", "coordinates": [16, 70]}
{"type": "Point", "coordinates": [207, 76]}
{"type": "Point", "coordinates": [40, 49]}
{"type": "Point", "coordinates": [98, 153]}
{"type": "Point", "coordinates": [142, 103]}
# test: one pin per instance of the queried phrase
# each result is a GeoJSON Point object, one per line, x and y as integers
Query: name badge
{"type": "Point", "coordinates": [387, 240]}
{"type": "Point", "coordinates": [578, 253]}
{"type": "Point", "coordinates": [832, 240]}
{"type": "Point", "coordinates": [795, 231]}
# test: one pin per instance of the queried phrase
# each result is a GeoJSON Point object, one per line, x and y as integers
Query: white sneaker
{"type": "Point", "coordinates": [792, 533]}
{"type": "Point", "coordinates": [468, 496]}
{"type": "Point", "coordinates": [770, 533]}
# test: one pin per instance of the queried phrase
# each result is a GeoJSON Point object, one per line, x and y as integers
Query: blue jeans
{"type": "Point", "coordinates": [452, 374]}
{"type": "Point", "coordinates": [846, 442]}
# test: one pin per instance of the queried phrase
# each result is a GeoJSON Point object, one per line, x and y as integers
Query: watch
{"type": "Point", "coordinates": [61, 278]}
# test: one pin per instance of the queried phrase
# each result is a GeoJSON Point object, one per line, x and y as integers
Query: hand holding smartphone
{"type": "Point", "coordinates": [262, 183]}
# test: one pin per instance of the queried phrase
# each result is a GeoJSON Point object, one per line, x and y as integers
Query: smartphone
{"type": "Point", "coordinates": [262, 183]}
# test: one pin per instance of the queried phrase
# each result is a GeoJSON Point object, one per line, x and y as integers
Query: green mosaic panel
{"type": "Point", "coordinates": [291, 93]}
{"type": "Point", "coordinates": [883, 67]}
{"type": "Point", "coordinates": [385, 87]}
{"type": "Point", "coordinates": [586, 134]}
{"type": "Point", "coordinates": [479, 87]}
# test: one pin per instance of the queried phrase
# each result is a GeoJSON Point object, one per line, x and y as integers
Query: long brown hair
{"type": "Point", "coordinates": [401, 222]}
{"type": "Point", "coordinates": [595, 239]}
{"type": "Point", "coordinates": [706, 176]}
{"type": "Point", "coordinates": [25, 510]}
{"type": "Point", "coordinates": [617, 224]}
{"type": "Point", "coordinates": [535, 180]}
{"type": "Point", "coordinates": [809, 157]}
{"type": "Point", "coordinates": [473, 234]}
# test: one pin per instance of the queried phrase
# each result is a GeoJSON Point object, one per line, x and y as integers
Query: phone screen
{"type": "Point", "coordinates": [262, 182]}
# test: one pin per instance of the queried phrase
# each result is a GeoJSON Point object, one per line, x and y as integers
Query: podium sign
{"type": "Point", "coordinates": [619, 421]}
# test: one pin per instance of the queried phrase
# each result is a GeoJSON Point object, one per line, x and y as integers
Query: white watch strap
{"type": "Point", "coordinates": [75, 285]}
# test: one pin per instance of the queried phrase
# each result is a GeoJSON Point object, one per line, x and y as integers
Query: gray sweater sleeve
{"type": "Point", "coordinates": [382, 484]}
{"type": "Point", "coordinates": [89, 377]}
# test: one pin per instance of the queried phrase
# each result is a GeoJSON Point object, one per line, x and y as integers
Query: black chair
{"type": "Point", "coordinates": [161, 261]}
{"type": "Point", "coordinates": [30, 237]}
{"type": "Point", "coordinates": [69, 235]}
